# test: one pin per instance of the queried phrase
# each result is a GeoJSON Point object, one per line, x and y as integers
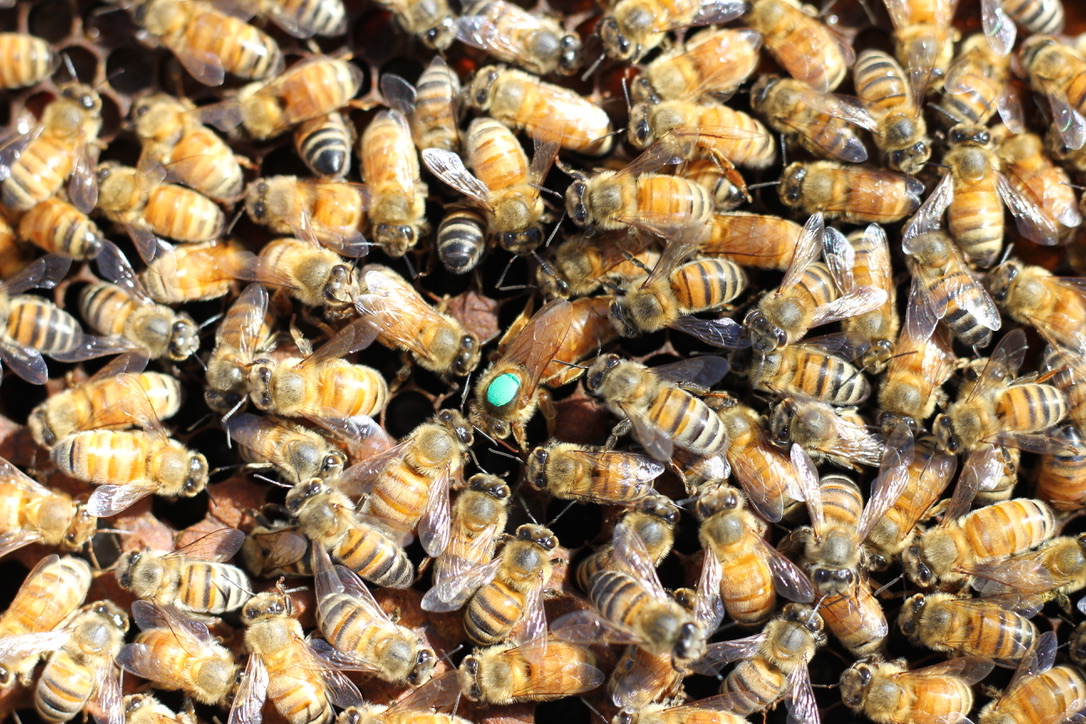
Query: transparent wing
{"type": "Point", "coordinates": [43, 273]}
{"type": "Point", "coordinates": [807, 249]}
{"type": "Point", "coordinates": [891, 481]}
{"type": "Point", "coordinates": [703, 371]}
{"type": "Point", "coordinates": [109, 500]}
{"type": "Point", "coordinates": [398, 93]}
{"type": "Point", "coordinates": [808, 487]}
{"type": "Point", "coordinates": [801, 704]}
{"type": "Point", "coordinates": [251, 692]}
{"type": "Point", "coordinates": [998, 28]}
{"type": "Point", "coordinates": [452, 593]}
{"type": "Point", "coordinates": [449, 167]}
{"type": "Point", "coordinates": [632, 556]}
{"type": "Point", "coordinates": [929, 217]}
{"type": "Point", "coordinates": [587, 628]}
{"type": "Point", "coordinates": [724, 332]}
{"type": "Point", "coordinates": [789, 580]}
{"type": "Point", "coordinates": [107, 695]}
{"type": "Point", "coordinates": [436, 521]}
{"type": "Point", "coordinates": [217, 546]}
{"type": "Point", "coordinates": [1032, 221]}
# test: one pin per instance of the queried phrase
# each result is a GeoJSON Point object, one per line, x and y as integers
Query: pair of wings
{"type": "Point", "coordinates": [83, 182]}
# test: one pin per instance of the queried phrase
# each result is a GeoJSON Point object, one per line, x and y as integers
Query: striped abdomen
{"type": "Point", "coordinates": [373, 556]}
{"type": "Point", "coordinates": [1030, 407]}
{"type": "Point", "coordinates": [41, 325]}
{"type": "Point", "coordinates": [493, 612]}
{"type": "Point", "coordinates": [183, 214]}
{"type": "Point", "coordinates": [324, 143]}
{"type": "Point", "coordinates": [707, 284]}
{"type": "Point", "coordinates": [105, 456]}
{"type": "Point", "coordinates": [215, 588]}
{"type": "Point", "coordinates": [1043, 17]}
{"type": "Point", "coordinates": [106, 308]}
{"type": "Point", "coordinates": [1009, 527]}
{"type": "Point", "coordinates": [39, 173]}
{"type": "Point", "coordinates": [1047, 698]}
{"type": "Point", "coordinates": [64, 688]}
{"type": "Point", "coordinates": [24, 60]}
{"type": "Point", "coordinates": [687, 421]}
{"type": "Point", "coordinates": [57, 226]}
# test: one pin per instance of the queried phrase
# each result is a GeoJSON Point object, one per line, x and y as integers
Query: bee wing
{"type": "Point", "coordinates": [346, 240]}
{"type": "Point", "coordinates": [149, 615]}
{"type": "Point", "coordinates": [632, 556]}
{"type": "Point", "coordinates": [657, 441]}
{"type": "Point", "coordinates": [859, 301]}
{"type": "Point", "coordinates": [15, 143]}
{"type": "Point", "coordinates": [587, 628]}
{"type": "Point", "coordinates": [893, 476]}
{"type": "Point", "coordinates": [393, 312]}
{"type": "Point", "coordinates": [720, 654]}
{"type": "Point", "coordinates": [441, 692]}
{"type": "Point", "coordinates": [32, 644]}
{"type": "Point", "coordinates": [1040, 443]}
{"type": "Point", "coordinates": [998, 28]}
{"type": "Point", "coordinates": [1023, 574]}
{"type": "Point", "coordinates": [449, 167]}
{"type": "Point", "coordinates": [498, 31]}
{"type": "Point", "coordinates": [1038, 659]}
{"type": "Point", "coordinates": [132, 363]}
{"type": "Point", "coordinates": [107, 700]}
{"type": "Point", "coordinates": [846, 108]}
{"type": "Point", "coordinates": [360, 478]}
{"type": "Point", "coordinates": [712, 12]}
{"type": "Point", "coordinates": [540, 339]}
{"type": "Point", "coordinates": [856, 443]}
{"type": "Point", "coordinates": [840, 257]}
{"type": "Point", "coordinates": [532, 628]}
{"type": "Point", "coordinates": [203, 65]}
{"type": "Point", "coordinates": [13, 476]}
{"type": "Point", "coordinates": [929, 217]}
{"type": "Point", "coordinates": [14, 540]}
{"type": "Point", "coordinates": [109, 500]}
{"type": "Point", "coordinates": [1032, 221]}
{"type": "Point", "coordinates": [251, 693]}
{"type": "Point", "coordinates": [851, 151]}
{"type": "Point", "coordinates": [356, 336]}
{"type": "Point", "coordinates": [1068, 121]}
{"type": "Point", "coordinates": [285, 548]}
{"type": "Point", "coordinates": [144, 662]}
{"type": "Point", "coordinates": [971, 669]}
{"type": "Point", "coordinates": [765, 494]}
{"type": "Point", "coordinates": [452, 593]}
{"type": "Point", "coordinates": [83, 183]}
{"type": "Point", "coordinates": [400, 171]}
{"type": "Point", "coordinates": [322, 659]}
{"type": "Point", "coordinates": [88, 346]}
{"type": "Point", "coordinates": [653, 158]}
{"type": "Point", "coordinates": [43, 273]}
{"type": "Point", "coordinates": [352, 585]}
{"type": "Point", "coordinates": [789, 580]}
{"type": "Point", "coordinates": [544, 155]}
{"type": "Point", "coordinates": [113, 266]}
{"type": "Point", "coordinates": [808, 487]}
{"type": "Point", "coordinates": [360, 434]}
{"type": "Point", "coordinates": [703, 371]}
{"type": "Point", "coordinates": [725, 332]}
{"type": "Point", "coordinates": [638, 468]}
{"type": "Point", "coordinates": [1003, 363]}
{"type": "Point", "coordinates": [800, 702]}
{"type": "Point", "coordinates": [217, 546]}
{"type": "Point", "coordinates": [1010, 109]}
{"type": "Point", "coordinates": [435, 525]}
{"type": "Point", "coordinates": [1052, 195]}
{"type": "Point", "coordinates": [398, 93]}
{"type": "Point", "coordinates": [676, 251]}
{"type": "Point", "coordinates": [807, 249]}
{"type": "Point", "coordinates": [709, 607]}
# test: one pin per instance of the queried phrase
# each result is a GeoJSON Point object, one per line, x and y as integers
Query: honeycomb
{"type": "Point", "coordinates": [101, 44]}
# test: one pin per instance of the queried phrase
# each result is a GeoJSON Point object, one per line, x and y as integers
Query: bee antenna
{"type": "Point", "coordinates": [592, 709]}
{"type": "Point", "coordinates": [554, 232]}
{"type": "Point", "coordinates": [226, 467]}
{"type": "Point", "coordinates": [234, 221]}
{"type": "Point", "coordinates": [504, 454]}
{"type": "Point", "coordinates": [1006, 254]}
{"type": "Point", "coordinates": [546, 190]}
{"type": "Point", "coordinates": [567, 169]}
{"type": "Point", "coordinates": [483, 432]}
{"type": "Point", "coordinates": [570, 364]}
{"type": "Point", "coordinates": [763, 185]}
{"type": "Point", "coordinates": [520, 499]}
{"type": "Point", "coordinates": [888, 584]}
{"type": "Point", "coordinates": [230, 413]}
{"type": "Point", "coordinates": [562, 512]}
{"type": "Point", "coordinates": [626, 93]}
{"type": "Point", "coordinates": [501, 279]}
{"type": "Point", "coordinates": [70, 67]}
{"type": "Point", "coordinates": [276, 483]}
{"type": "Point", "coordinates": [410, 268]}
{"type": "Point", "coordinates": [199, 422]}
{"type": "Point", "coordinates": [211, 320]}
{"type": "Point", "coordinates": [592, 68]}
{"type": "Point", "coordinates": [464, 394]}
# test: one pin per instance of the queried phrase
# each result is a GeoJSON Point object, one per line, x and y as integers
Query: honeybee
{"type": "Point", "coordinates": [243, 336]}
{"type": "Point", "coordinates": [1044, 185]}
{"type": "Point", "coordinates": [193, 578]}
{"type": "Point", "coordinates": [711, 131]}
{"type": "Point", "coordinates": [507, 393]}
{"type": "Point", "coordinates": [324, 145]}
{"type": "Point", "coordinates": [999, 410]}
{"type": "Point", "coordinates": [641, 678]}
{"type": "Point", "coordinates": [713, 710]}
{"type": "Point", "coordinates": [364, 636]}
{"type": "Point", "coordinates": [676, 290]}
{"type": "Point", "coordinates": [636, 198]}
{"type": "Point", "coordinates": [61, 147]}
{"type": "Point", "coordinates": [901, 133]}
{"type": "Point", "coordinates": [32, 513]}
{"type": "Point", "coordinates": [304, 18]}
{"type": "Point", "coordinates": [313, 87]}
{"type": "Point", "coordinates": [582, 264]}
{"type": "Point", "coordinates": [653, 519]}
{"type": "Point", "coordinates": [961, 542]}
{"type": "Point", "coordinates": [328, 518]}
{"type": "Point", "coordinates": [857, 620]}
{"type": "Point", "coordinates": [929, 473]}
{"type": "Point", "coordinates": [146, 709]}
{"type": "Point", "coordinates": [320, 384]}
{"type": "Point", "coordinates": [417, 706]}
{"type": "Point", "coordinates": [435, 340]}
{"type": "Point", "coordinates": [811, 293]}
{"type": "Point", "coordinates": [510, 673]}
{"type": "Point", "coordinates": [697, 69]}
{"type": "Point", "coordinates": [815, 368]}
{"type": "Point", "coordinates": [331, 212]}
{"type": "Point", "coordinates": [752, 240]}
{"type": "Point", "coordinates": [174, 138]}
{"type": "Point", "coordinates": [51, 592]}
{"type": "Point", "coordinates": [840, 437]}
{"type": "Point", "coordinates": [752, 571]}
{"type": "Point", "coordinates": [871, 267]}
{"type": "Point", "coordinates": [297, 453]}
{"type": "Point", "coordinates": [82, 670]}
{"type": "Point", "coordinates": [773, 664]}
{"type": "Point", "coordinates": [177, 653]}
{"type": "Point", "coordinates": [589, 474]}
{"type": "Point", "coordinates": [631, 28]}
{"type": "Point", "coordinates": [194, 272]}
{"type": "Point", "coordinates": [1060, 477]}
{"type": "Point", "coordinates": [650, 402]}
{"type": "Point", "coordinates": [547, 113]}
{"type": "Point", "coordinates": [810, 51]}
{"type": "Point", "coordinates": [507, 187]}
{"type": "Point", "coordinates": [1039, 691]}
{"type": "Point", "coordinates": [461, 238]}
{"type": "Point", "coordinates": [977, 86]}
{"type": "Point", "coordinates": [390, 166]}
{"type": "Point", "coordinates": [58, 227]}
{"type": "Point", "coordinates": [819, 122]}
{"type": "Point", "coordinates": [923, 39]}
{"type": "Point", "coordinates": [537, 43]}
{"type": "Point", "coordinates": [432, 108]}
{"type": "Point", "coordinates": [724, 184]}
{"type": "Point", "coordinates": [887, 692]}
{"type": "Point", "coordinates": [26, 59]}
{"type": "Point", "coordinates": [1055, 70]}
{"type": "Point", "coordinates": [990, 628]}
{"type": "Point", "coordinates": [206, 41]}
{"type": "Point", "coordinates": [854, 194]}
{"type": "Point", "coordinates": [286, 668]}
{"type": "Point", "coordinates": [633, 607]}
{"type": "Point", "coordinates": [1054, 306]}
{"type": "Point", "coordinates": [276, 548]}
{"type": "Point", "coordinates": [510, 600]}
{"type": "Point", "coordinates": [430, 20]}
{"type": "Point", "coordinates": [315, 276]}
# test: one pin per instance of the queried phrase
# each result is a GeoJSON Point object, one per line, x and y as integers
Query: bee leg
{"type": "Point", "coordinates": [619, 430]}
{"type": "Point", "coordinates": [550, 412]}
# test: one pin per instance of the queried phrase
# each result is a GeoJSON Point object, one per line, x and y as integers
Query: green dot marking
{"type": "Point", "coordinates": [503, 389]}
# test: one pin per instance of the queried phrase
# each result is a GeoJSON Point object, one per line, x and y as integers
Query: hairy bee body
{"type": "Point", "coordinates": [888, 693]}
{"type": "Point", "coordinates": [967, 627]}
{"type": "Point", "coordinates": [24, 60]}
{"type": "Point", "coordinates": [57, 226]}
{"type": "Point", "coordinates": [854, 194]}
{"type": "Point", "coordinates": [1045, 697]}
{"type": "Point", "coordinates": [324, 144]}
{"type": "Point", "coordinates": [314, 87]}
{"type": "Point", "coordinates": [154, 328]}
{"type": "Point", "coordinates": [803, 45]}
{"type": "Point", "coordinates": [509, 673]}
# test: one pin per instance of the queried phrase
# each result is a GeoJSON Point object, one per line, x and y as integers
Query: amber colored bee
{"type": "Point", "coordinates": [32, 513]}
{"type": "Point", "coordinates": [144, 206]}
{"type": "Point", "coordinates": [390, 166]}
{"type": "Point", "coordinates": [653, 519]}
{"type": "Point", "coordinates": [753, 240]}
{"type": "Point", "coordinates": [976, 87]}
{"type": "Point", "coordinates": [854, 194]}
{"type": "Point", "coordinates": [461, 238]}
{"type": "Point", "coordinates": [276, 548]}
{"type": "Point", "coordinates": [195, 272]}
{"type": "Point", "coordinates": [243, 336]}
{"type": "Point", "coordinates": [432, 108]}
{"type": "Point", "coordinates": [81, 669]}
{"type": "Point", "coordinates": [1057, 71]}
{"type": "Point", "coordinates": [297, 453]}
{"type": "Point", "coordinates": [506, 186]}
{"type": "Point", "coordinates": [640, 678]}
{"type": "Point", "coordinates": [546, 670]}
{"type": "Point", "coordinates": [713, 710]}
{"type": "Point", "coordinates": [328, 518]}
{"type": "Point", "coordinates": [546, 112]}
{"type": "Point", "coordinates": [430, 20]}
{"type": "Point", "coordinates": [752, 571]}
{"type": "Point", "coordinates": [968, 627]}
{"type": "Point", "coordinates": [14, 255]}
{"type": "Point", "coordinates": [811, 293]}
{"type": "Point", "coordinates": [1061, 476]}
{"type": "Point", "coordinates": [24, 60]}
{"type": "Point", "coordinates": [330, 212]}
{"type": "Point", "coordinates": [887, 692]}
{"type": "Point", "coordinates": [51, 592]}
{"type": "Point", "coordinates": [857, 620]}
{"type": "Point", "coordinates": [312, 274]}
{"type": "Point", "coordinates": [419, 706]}
{"type": "Point", "coordinates": [478, 519]}
{"type": "Point", "coordinates": [313, 87]}
{"type": "Point", "coordinates": [177, 653]}
{"type": "Point", "coordinates": [1055, 570]}
{"type": "Point", "coordinates": [304, 18]}
{"type": "Point", "coordinates": [589, 474]}
{"type": "Point", "coordinates": [537, 43]}
{"type": "Point", "coordinates": [206, 41]}
{"type": "Point", "coordinates": [727, 190]}
{"type": "Point", "coordinates": [435, 340]}
{"type": "Point", "coordinates": [839, 437]}
{"type": "Point", "coordinates": [583, 263]}
{"type": "Point", "coordinates": [58, 227]}
{"type": "Point", "coordinates": [695, 68]}
{"type": "Point", "coordinates": [193, 578]}
{"type": "Point", "coordinates": [817, 368]}
{"type": "Point", "coordinates": [923, 40]}
{"type": "Point", "coordinates": [810, 51]}
{"type": "Point", "coordinates": [819, 122]}
{"type": "Point", "coordinates": [174, 138]}
{"type": "Point", "coordinates": [1039, 691]}
{"type": "Point", "coordinates": [901, 134]}
{"type": "Point", "coordinates": [773, 664]}
{"type": "Point", "coordinates": [286, 668]}
{"type": "Point", "coordinates": [1045, 186]}
{"type": "Point", "coordinates": [324, 145]}
{"type": "Point", "coordinates": [871, 267]}
{"type": "Point", "coordinates": [631, 28]}
{"type": "Point", "coordinates": [146, 709]}
{"type": "Point", "coordinates": [320, 384]}
{"type": "Point", "coordinates": [961, 542]}
{"type": "Point", "coordinates": [60, 148]}
{"type": "Point", "coordinates": [363, 634]}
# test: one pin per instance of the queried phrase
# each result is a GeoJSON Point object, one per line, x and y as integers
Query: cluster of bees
{"type": "Point", "coordinates": [798, 493]}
